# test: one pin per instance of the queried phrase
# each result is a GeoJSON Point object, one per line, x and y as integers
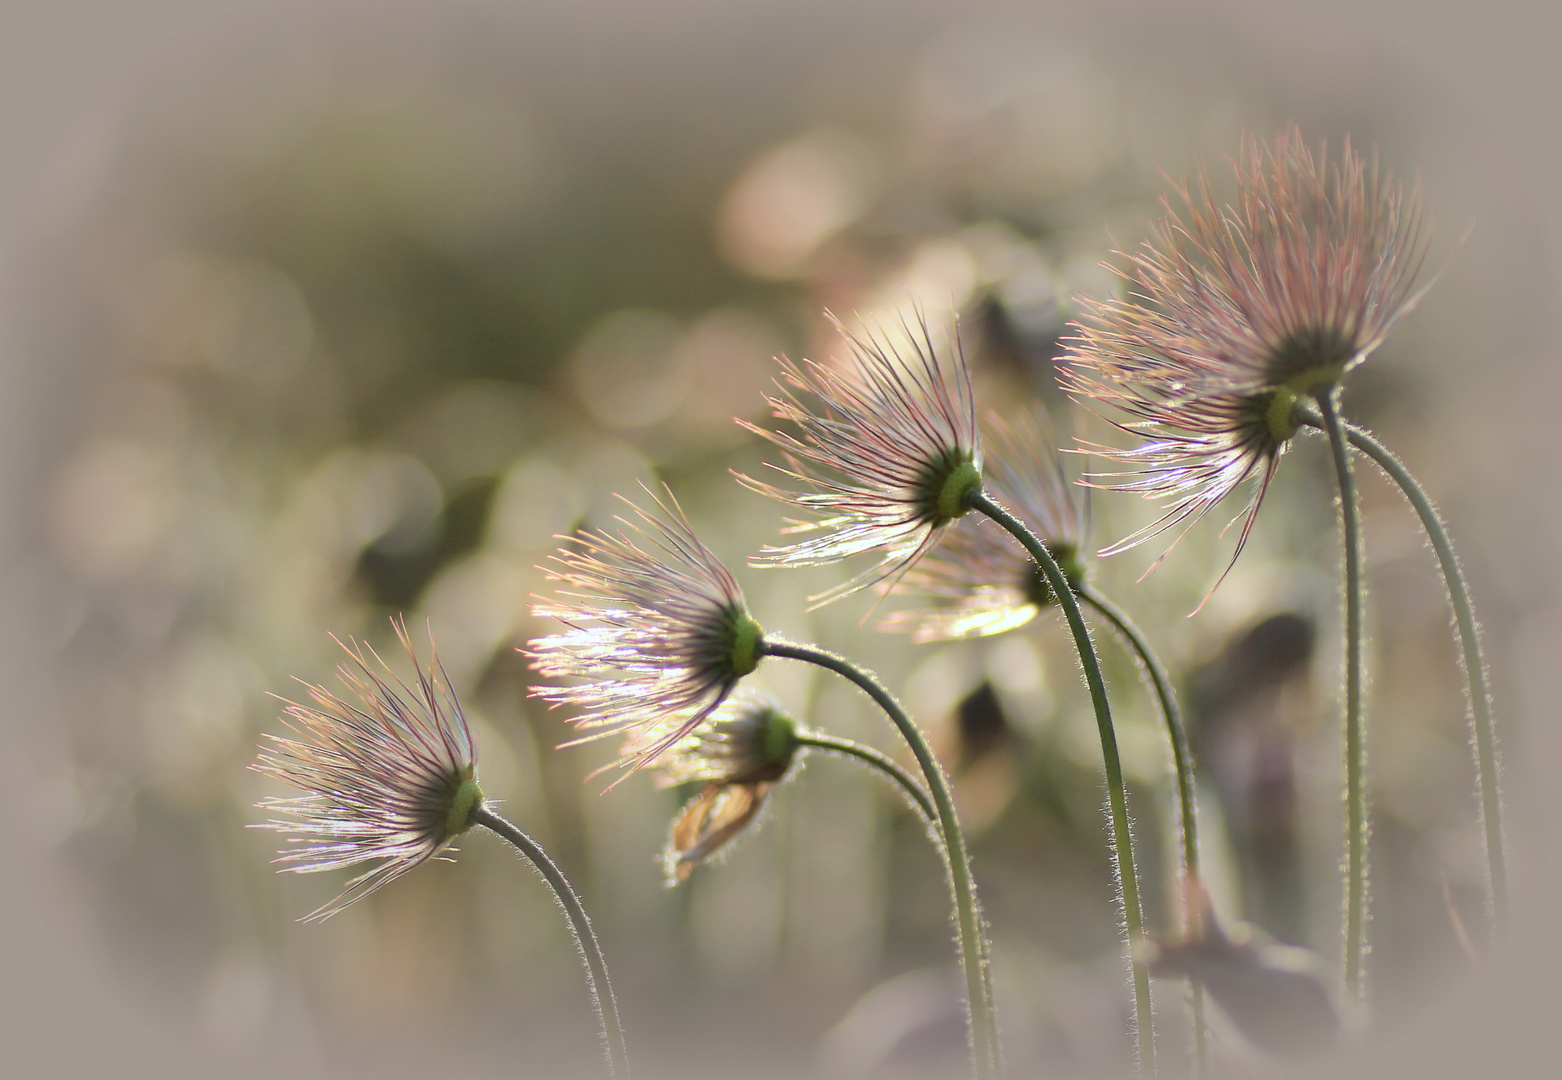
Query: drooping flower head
{"type": "Point", "coordinates": [657, 627]}
{"type": "Point", "coordinates": [886, 456]}
{"type": "Point", "coordinates": [1276, 995]}
{"type": "Point", "coordinates": [983, 580]}
{"type": "Point", "coordinates": [741, 750]}
{"type": "Point", "coordinates": [1235, 313]}
{"type": "Point", "coordinates": [391, 773]}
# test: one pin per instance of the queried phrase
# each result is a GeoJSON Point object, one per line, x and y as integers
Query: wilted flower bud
{"type": "Point", "coordinates": [742, 750]}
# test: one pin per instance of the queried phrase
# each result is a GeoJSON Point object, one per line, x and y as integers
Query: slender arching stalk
{"type": "Point", "coordinates": [908, 784]}
{"type": "Point", "coordinates": [1182, 761]}
{"type": "Point", "coordinates": [874, 759]}
{"type": "Point", "coordinates": [1355, 736]}
{"type": "Point", "coordinates": [1117, 795]}
{"type": "Point", "coordinates": [973, 943]}
{"type": "Point", "coordinates": [913, 790]}
{"type": "Point", "coordinates": [580, 924]}
{"type": "Point", "coordinates": [1476, 694]}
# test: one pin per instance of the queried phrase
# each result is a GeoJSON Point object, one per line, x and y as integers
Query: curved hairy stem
{"type": "Point", "coordinates": [580, 924]}
{"type": "Point", "coordinates": [874, 759]}
{"type": "Point", "coordinates": [1182, 761]}
{"type": "Point", "coordinates": [973, 943]}
{"type": "Point", "coordinates": [1117, 794]}
{"type": "Point", "coordinates": [1478, 698]}
{"type": "Point", "coordinates": [1355, 736]}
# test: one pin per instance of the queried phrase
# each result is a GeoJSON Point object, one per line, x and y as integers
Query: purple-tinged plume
{"type": "Point", "coordinates": [983, 581]}
{"type": "Point", "coordinates": [657, 627]}
{"type": "Point", "coordinates": [391, 773]}
{"type": "Point", "coordinates": [1237, 312]}
{"type": "Point", "coordinates": [886, 455]}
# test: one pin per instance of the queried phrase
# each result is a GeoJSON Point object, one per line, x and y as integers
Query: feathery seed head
{"type": "Point", "coordinates": [391, 773]}
{"type": "Point", "coordinates": [657, 627]}
{"type": "Point", "coordinates": [887, 458]}
{"type": "Point", "coordinates": [985, 581]}
{"type": "Point", "coordinates": [1238, 311]}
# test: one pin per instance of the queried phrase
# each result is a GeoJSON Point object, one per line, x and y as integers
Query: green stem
{"type": "Point", "coordinates": [981, 1018]}
{"type": "Point", "coordinates": [1181, 758]}
{"type": "Point", "coordinates": [908, 784]}
{"type": "Point", "coordinates": [1182, 761]}
{"type": "Point", "coordinates": [1355, 740]}
{"type": "Point", "coordinates": [1488, 768]}
{"type": "Point", "coordinates": [1117, 795]}
{"type": "Point", "coordinates": [580, 924]}
{"type": "Point", "coordinates": [882, 762]}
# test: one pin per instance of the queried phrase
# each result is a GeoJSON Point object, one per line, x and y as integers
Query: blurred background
{"type": "Point", "coordinates": [338, 316]}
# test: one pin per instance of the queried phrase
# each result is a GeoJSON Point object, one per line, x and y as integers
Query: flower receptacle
{"type": "Point", "coordinates": [780, 739]}
{"type": "Point", "coordinates": [746, 640]}
{"type": "Point", "coordinates": [465, 801]}
{"type": "Point", "coordinates": [957, 486]}
{"type": "Point", "coordinates": [1280, 414]}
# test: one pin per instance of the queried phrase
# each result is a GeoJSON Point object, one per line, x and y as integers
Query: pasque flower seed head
{"type": "Point", "coordinates": [390, 771]}
{"type": "Point", "coordinates": [1237, 311]}
{"type": "Point", "coordinates": [984, 581]}
{"type": "Point", "coordinates": [886, 456]}
{"type": "Point", "coordinates": [656, 627]}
